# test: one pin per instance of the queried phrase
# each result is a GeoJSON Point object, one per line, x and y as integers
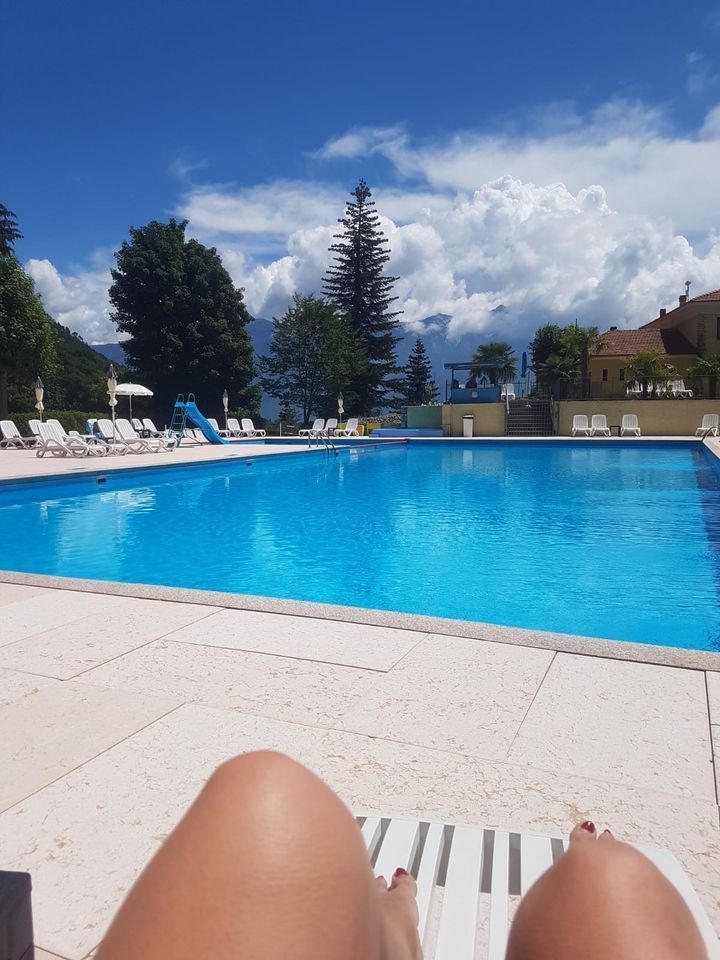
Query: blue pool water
{"type": "Point", "coordinates": [612, 541]}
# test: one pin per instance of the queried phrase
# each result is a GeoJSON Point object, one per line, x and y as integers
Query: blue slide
{"type": "Point", "coordinates": [199, 421]}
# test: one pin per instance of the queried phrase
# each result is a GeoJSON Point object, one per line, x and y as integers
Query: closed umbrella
{"type": "Point", "coordinates": [112, 386]}
{"type": "Point", "coordinates": [131, 390]}
{"type": "Point", "coordinates": [39, 394]}
{"type": "Point", "coordinates": [226, 401]}
{"type": "Point", "coordinates": [341, 407]}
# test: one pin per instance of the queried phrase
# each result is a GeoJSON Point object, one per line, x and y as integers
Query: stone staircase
{"type": "Point", "coordinates": [529, 417]}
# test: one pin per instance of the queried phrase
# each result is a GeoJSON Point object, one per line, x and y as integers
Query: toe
{"type": "Point", "coordinates": [606, 835]}
{"type": "Point", "coordinates": [583, 832]}
{"type": "Point", "coordinates": [381, 883]}
{"type": "Point", "coordinates": [404, 882]}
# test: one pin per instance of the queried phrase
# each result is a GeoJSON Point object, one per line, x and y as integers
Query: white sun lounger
{"type": "Point", "coordinates": [466, 873]}
{"type": "Point", "coordinates": [234, 428]}
{"type": "Point", "coordinates": [152, 444]}
{"type": "Point", "coordinates": [678, 389]}
{"type": "Point", "coordinates": [350, 429]}
{"type": "Point", "coordinates": [580, 425]}
{"type": "Point", "coordinates": [11, 436]}
{"type": "Point", "coordinates": [114, 442]}
{"type": "Point", "coordinates": [708, 425]}
{"type": "Point", "coordinates": [56, 442]}
{"type": "Point", "coordinates": [150, 428]}
{"type": "Point", "coordinates": [598, 426]}
{"type": "Point", "coordinates": [248, 428]}
{"type": "Point", "coordinates": [630, 425]}
{"type": "Point", "coordinates": [216, 427]}
{"type": "Point", "coordinates": [330, 427]}
{"type": "Point", "coordinates": [507, 391]}
{"type": "Point", "coordinates": [317, 427]}
{"type": "Point", "coordinates": [633, 389]}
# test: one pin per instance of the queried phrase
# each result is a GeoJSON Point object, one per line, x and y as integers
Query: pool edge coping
{"type": "Point", "coordinates": [679, 657]}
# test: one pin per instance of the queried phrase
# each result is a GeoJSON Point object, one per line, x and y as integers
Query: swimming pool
{"type": "Point", "coordinates": [605, 540]}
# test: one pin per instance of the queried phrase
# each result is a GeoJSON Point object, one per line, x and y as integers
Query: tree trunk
{"type": "Point", "coordinates": [3, 394]}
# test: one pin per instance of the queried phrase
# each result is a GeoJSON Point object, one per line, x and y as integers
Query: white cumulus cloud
{"type": "Point", "coordinates": [78, 301]}
{"type": "Point", "coordinates": [601, 218]}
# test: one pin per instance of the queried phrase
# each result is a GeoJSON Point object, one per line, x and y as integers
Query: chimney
{"type": "Point", "coordinates": [663, 311]}
{"type": "Point", "coordinates": [612, 328]}
{"type": "Point", "coordinates": [682, 298]}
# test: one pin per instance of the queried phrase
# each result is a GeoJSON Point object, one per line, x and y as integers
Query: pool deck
{"type": "Point", "coordinates": [114, 709]}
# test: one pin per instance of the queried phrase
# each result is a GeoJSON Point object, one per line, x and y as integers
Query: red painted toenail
{"type": "Point", "coordinates": [401, 872]}
{"type": "Point", "coordinates": [588, 825]}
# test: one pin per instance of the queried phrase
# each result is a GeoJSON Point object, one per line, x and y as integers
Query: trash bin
{"type": "Point", "coordinates": [16, 929]}
{"type": "Point", "coordinates": [468, 421]}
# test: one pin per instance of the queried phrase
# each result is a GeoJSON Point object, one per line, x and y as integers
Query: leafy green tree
{"type": "Point", "coordinates": [580, 342]}
{"type": "Point", "coordinates": [502, 356]}
{"type": "Point", "coordinates": [314, 354]}
{"type": "Point", "coordinates": [355, 282]}
{"type": "Point", "coordinates": [9, 231]}
{"type": "Point", "coordinates": [562, 354]}
{"type": "Point", "coordinates": [649, 369]}
{"type": "Point", "coordinates": [419, 386]}
{"type": "Point", "coordinates": [288, 415]}
{"type": "Point", "coordinates": [26, 335]}
{"type": "Point", "coordinates": [709, 368]}
{"type": "Point", "coordinates": [548, 341]}
{"type": "Point", "coordinates": [187, 322]}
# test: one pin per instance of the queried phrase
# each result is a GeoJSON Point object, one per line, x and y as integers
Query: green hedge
{"type": "Point", "coordinates": [70, 419]}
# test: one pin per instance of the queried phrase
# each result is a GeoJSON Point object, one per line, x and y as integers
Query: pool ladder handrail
{"type": "Point", "coordinates": [322, 438]}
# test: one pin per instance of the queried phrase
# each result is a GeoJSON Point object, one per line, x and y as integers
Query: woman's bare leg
{"type": "Point", "coordinates": [266, 863]}
{"type": "Point", "coordinates": [603, 900]}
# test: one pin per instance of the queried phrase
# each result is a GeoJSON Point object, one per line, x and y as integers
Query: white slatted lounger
{"type": "Point", "coordinates": [479, 874]}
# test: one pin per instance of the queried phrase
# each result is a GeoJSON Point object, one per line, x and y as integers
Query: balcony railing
{"type": "Point", "coordinates": [674, 388]}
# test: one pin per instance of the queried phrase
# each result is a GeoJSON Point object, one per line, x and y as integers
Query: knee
{"type": "Point", "coordinates": [269, 786]}
{"type": "Point", "coordinates": [260, 767]}
{"type": "Point", "coordinates": [609, 860]}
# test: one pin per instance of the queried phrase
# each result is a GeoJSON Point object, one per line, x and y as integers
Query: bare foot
{"type": "Point", "coordinates": [398, 907]}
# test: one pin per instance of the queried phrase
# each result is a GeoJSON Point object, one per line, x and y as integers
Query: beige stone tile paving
{"type": "Point", "coordinates": [300, 691]}
{"type": "Point", "coordinates": [453, 694]}
{"type": "Point", "coordinates": [14, 685]}
{"type": "Point", "coordinates": [713, 694]}
{"type": "Point", "coordinates": [54, 729]}
{"type": "Point", "coordinates": [13, 592]}
{"type": "Point", "coordinates": [306, 638]}
{"type": "Point", "coordinates": [615, 720]}
{"type": "Point", "coordinates": [70, 649]}
{"type": "Point", "coordinates": [54, 608]}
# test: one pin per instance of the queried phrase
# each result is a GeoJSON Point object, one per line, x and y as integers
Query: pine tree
{"type": "Point", "coordinates": [419, 386]}
{"type": "Point", "coordinates": [9, 231]}
{"type": "Point", "coordinates": [356, 285]}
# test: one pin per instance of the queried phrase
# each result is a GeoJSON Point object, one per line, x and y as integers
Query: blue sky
{"type": "Point", "coordinates": [255, 119]}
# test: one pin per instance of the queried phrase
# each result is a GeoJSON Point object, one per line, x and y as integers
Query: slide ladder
{"type": "Point", "coordinates": [179, 418]}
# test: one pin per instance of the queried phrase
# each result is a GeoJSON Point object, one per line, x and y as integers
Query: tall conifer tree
{"type": "Point", "coordinates": [355, 283]}
{"type": "Point", "coordinates": [419, 386]}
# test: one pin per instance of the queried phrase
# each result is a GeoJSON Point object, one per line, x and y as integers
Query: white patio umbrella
{"type": "Point", "coordinates": [341, 407]}
{"type": "Point", "coordinates": [226, 401]}
{"type": "Point", "coordinates": [131, 390]}
{"type": "Point", "coordinates": [39, 394]}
